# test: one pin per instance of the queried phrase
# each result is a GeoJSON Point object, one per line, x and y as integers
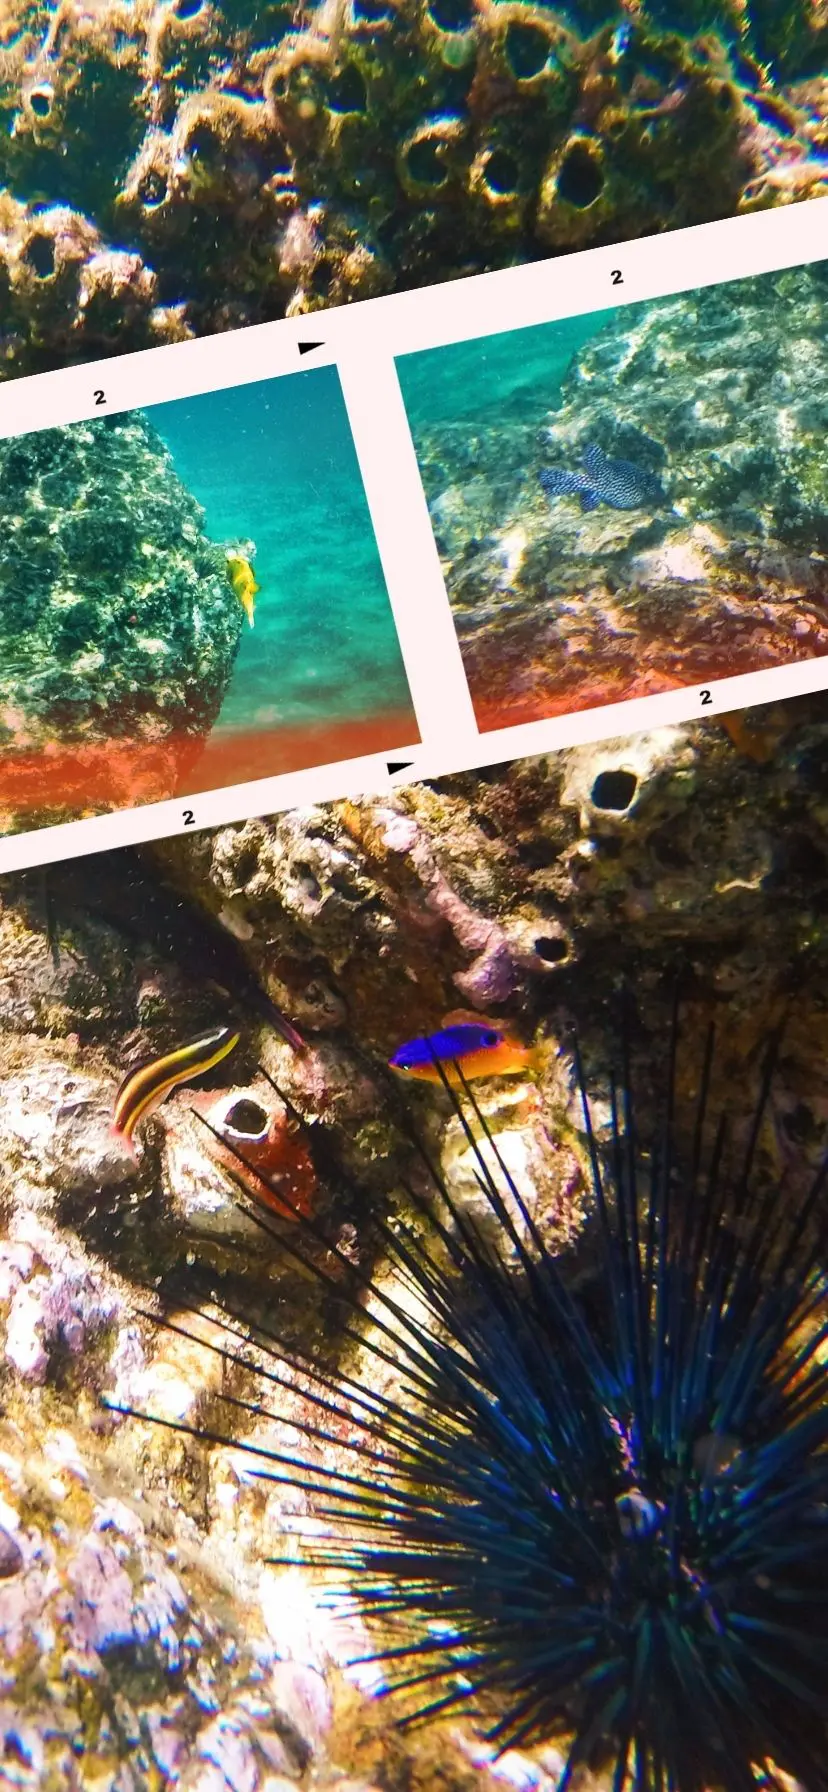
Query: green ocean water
{"type": "Point", "coordinates": [513, 377]}
{"type": "Point", "coordinates": [274, 463]}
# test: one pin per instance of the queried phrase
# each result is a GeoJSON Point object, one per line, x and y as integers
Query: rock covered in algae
{"type": "Point", "coordinates": [145, 1642]}
{"type": "Point", "coordinates": [259, 163]}
{"type": "Point", "coordinates": [721, 397]}
{"type": "Point", "coordinates": [118, 626]}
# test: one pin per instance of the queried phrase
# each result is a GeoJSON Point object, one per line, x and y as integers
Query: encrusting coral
{"type": "Point", "coordinates": [263, 161]}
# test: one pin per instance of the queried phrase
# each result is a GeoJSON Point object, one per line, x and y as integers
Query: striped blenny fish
{"type": "Point", "coordinates": [145, 1087]}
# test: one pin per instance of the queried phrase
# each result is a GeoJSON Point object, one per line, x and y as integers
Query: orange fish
{"type": "Point", "coordinates": [479, 1047]}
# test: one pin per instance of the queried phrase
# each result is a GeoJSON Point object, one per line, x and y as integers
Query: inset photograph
{"type": "Point", "coordinates": [634, 500]}
{"type": "Point", "coordinates": [192, 597]}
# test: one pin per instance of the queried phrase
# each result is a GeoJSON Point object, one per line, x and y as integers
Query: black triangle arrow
{"type": "Point", "coordinates": [398, 765]}
{"type": "Point", "coordinates": [305, 347]}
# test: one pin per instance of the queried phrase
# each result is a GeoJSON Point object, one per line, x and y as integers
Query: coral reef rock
{"type": "Point", "coordinates": [721, 398]}
{"type": "Point", "coordinates": [119, 628]}
{"type": "Point", "coordinates": [262, 160]}
{"type": "Point", "coordinates": [146, 1638]}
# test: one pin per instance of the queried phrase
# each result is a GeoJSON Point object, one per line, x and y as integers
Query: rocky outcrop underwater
{"type": "Point", "coordinates": [151, 1632]}
{"type": "Point", "coordinates": [263, 160]}
{"type": "Point", "coordinates": [717, 402]}
{"type": "Point", "coordinates": [119, 628]}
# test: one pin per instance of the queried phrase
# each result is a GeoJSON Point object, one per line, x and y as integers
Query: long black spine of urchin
{"type": "Point", "coordinates": [602, 1515]}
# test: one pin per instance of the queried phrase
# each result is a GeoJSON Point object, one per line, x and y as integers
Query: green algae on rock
{"type": "Point", "coordinates": [264, 161]}
{"type": "Point", "coordinates": [118, 625]}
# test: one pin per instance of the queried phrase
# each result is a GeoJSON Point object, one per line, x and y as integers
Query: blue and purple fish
{"type": "Point", "coordinates": [619, 483]}
{"type": "Point", "coordinates": [479, 1047]}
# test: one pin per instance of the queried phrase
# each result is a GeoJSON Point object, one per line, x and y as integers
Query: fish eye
{"type": "Point", "coordinates": [491, 1038]}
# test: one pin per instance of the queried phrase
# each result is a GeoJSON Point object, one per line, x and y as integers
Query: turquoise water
{"type": "Point", "coordinates": [514, 376]}
{"type": "Point", "coordinates": [274, 463]}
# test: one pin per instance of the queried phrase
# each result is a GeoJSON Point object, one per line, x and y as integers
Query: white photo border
{"type": "Point", "coordinates": [364, 341]}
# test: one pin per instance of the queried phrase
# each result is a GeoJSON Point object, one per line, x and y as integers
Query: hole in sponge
{"type": "Point", "coordinates": [580, 177]}
{"type": "Point", "coordinates": [527, 50]}
{"type": "Point", "coordinates": [614, 789]}
{"type": "Point", "coordinates": [347, 92]}
{"type": "Point", "coordinates": [40, 256]}
{"type": "Point", "coordinates": [425, 162]}
{"type": "Point", "coordinates": [152, 189]}
{"type": "Point", "coordinates": [502, 173]}
{"type": "Point", "coordinates": [203, 146]}
{"type": "Point", "coordinates": [372, 12]}
{"type": "Point", "coordinates": [551, 950]}
{"type": "Point", "coordinates": [451, 15]}
{"type": "Point", "coordinates": [40, 100]}
{"type": "Point", "coordinates": [246, 1117]}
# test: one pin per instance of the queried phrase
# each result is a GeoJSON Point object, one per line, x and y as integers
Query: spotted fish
{"type": "Point", "coordinates": [619, 483]}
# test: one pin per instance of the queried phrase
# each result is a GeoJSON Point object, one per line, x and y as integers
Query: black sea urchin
{"type": "Point", "coordinates": [596, 1514]}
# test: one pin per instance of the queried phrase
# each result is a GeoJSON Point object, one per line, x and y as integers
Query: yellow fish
{"type": "Point", "coordinates": [243, 580]}
{"type": "Point", "coordinates": [145, 1087]}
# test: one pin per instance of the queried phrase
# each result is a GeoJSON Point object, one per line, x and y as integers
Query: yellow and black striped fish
{"type": "Point", "coordinates": [145, 1087]}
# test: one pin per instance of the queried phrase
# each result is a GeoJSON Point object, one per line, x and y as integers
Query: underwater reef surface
{"type": "Point", "coordinates": [145, 1638]}
{"type": "Point", "coordinates": [271, 159]}
{"type": "Point", "coordinates": [119, 630]}
{"type": "Point", "coordinates": [717, 404]}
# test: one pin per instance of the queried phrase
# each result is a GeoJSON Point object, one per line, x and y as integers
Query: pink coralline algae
{"type": "Point", "coordinates": [105, 1611]}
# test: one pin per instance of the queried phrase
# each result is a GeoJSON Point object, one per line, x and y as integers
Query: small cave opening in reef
{"type": "Point", "coordinates": [425, 162]}
{"type": "Point", "coordinates": [39, 255]}
{"type": "Point", "coordinates": [614, 789]}
{"type": "Point", "coordinates": [580, 177]}
{"type": "Point", "coordinates": [551, 949]}
{"type": "Point", "coordinates": [322, 278]}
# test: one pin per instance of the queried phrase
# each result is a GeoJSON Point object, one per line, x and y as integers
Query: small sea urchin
{"type": "Point", "coordinates": [596, 1511]}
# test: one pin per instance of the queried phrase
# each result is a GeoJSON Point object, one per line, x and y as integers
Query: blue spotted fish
{"type": "Point", "coordinates": [619, 483]}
